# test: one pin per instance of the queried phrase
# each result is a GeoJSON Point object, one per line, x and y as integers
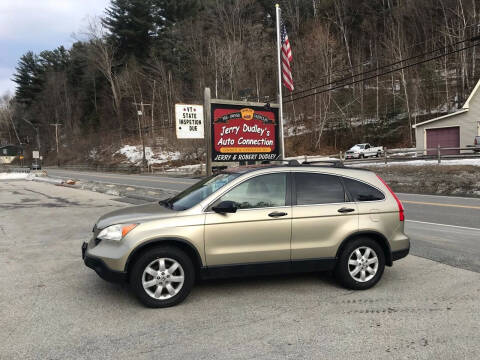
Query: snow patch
{"type": "Point", "coordinates": [473, 162]}
{"type": "Point", "coordinates": [134, 155]}
{"type": "Point", "coordinates": [187, 168]}
{"type": "Point", "coordinates": [13, 176]}
{"type": "Point", "coordinates": [93, 154]}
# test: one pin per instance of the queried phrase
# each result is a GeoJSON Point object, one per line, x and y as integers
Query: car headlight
{"type": "Point", "coordinates": [115, 232]}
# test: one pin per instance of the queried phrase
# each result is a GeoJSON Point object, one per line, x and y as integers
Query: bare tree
{"type": "Point", "coordinates": [102, 55]}
{"type": "Point", "coordinates": [6, 116]}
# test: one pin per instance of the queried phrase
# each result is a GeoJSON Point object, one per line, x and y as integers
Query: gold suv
{"type": "Point", "coordinates": [253, 221]}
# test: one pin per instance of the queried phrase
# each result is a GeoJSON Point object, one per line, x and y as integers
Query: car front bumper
{"type": "Point", "coordinates": [101, 268]}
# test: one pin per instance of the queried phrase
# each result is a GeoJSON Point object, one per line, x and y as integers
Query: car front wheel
{"type": "Point", "coordinates": [360, 264]}
{"type": "Point", "coordinates": [162, 277]}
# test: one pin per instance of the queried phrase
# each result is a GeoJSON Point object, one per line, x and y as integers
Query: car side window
{"type": "Point", "coordinates": [361, 191]}
{"type": "Point", "coordinates": [318, 189]}
{"type": "Point", "coordinates": [259, 192]}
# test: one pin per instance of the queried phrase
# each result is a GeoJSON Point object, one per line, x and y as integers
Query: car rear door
{"type": "Point", "coordinates": [259, 231]}
{"type": "Point", "coordinates": [322, 216]}
{"type": "Point", "coordinates": [368, 150]}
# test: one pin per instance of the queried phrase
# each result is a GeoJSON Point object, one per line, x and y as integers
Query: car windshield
{"type": "Point", "coordinates": [198, 192]}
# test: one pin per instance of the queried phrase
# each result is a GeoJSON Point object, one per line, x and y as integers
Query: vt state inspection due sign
{"type": "Point", "coordinates": [189, 120]}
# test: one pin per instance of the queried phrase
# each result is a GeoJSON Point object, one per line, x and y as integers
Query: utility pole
{"type": "Point", "coordinates": [142, 138]}
{"type": "Point", "coordinates": [37, 132]}
{"type": "Point", "coordinates": [153, 104]}
{"type": "Point", "coordinates": [56, 139]}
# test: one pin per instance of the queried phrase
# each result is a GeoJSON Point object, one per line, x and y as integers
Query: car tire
{"type": "Point", "coordinates": [164, 291]}
{"type": "Point", "coordinates": [361, 156]}
{"type": "Point", "coordinates": [358, 276]}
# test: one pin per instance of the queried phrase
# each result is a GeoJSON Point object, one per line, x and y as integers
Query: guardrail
{"type": "Point", "coordinates": [14, 169]}
{"type": "Point", "coordinates": [399, 155]}
{"type": "Point", "coordinates": [129, 169]}
{"type": "Point", "coordinates": [122, 168]}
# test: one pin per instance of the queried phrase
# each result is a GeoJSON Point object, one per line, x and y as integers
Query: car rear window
{"type": "Point", "coordinates": [361, 191]}
{"type": "Point", "coordinates": [318, 189]}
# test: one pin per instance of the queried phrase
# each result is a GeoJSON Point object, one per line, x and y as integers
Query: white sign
{"type": "Point", "coordinates": [189, 121]}
{"type": "Point", "coordinates": [35, 154]}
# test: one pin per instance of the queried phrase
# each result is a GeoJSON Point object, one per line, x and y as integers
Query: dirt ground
{"type": "Point", "coordinates": [432, 179]}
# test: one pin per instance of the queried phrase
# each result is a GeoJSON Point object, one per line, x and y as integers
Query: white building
{"type": "Point", "coordinates": [457, 129]}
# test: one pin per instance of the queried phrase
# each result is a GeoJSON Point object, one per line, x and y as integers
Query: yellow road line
{"type": "Point", "coordinates": [441, 204]}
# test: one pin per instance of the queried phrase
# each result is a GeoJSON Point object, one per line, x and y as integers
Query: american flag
{"type": "Point", "coordinates": [286, 53]}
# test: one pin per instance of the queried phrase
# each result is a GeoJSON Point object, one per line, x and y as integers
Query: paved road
{"type": "Point", "coordinates": [445, 229]}
{"type": "Point", "coordinates": [148, 181]}
{"type": "Point", "coordinates": [53, 307]}
{"type": "Point", "coordinates": [442, 228]}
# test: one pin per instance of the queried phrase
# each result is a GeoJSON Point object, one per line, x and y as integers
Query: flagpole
{"type": "Point", "coordinates": [279, 63]}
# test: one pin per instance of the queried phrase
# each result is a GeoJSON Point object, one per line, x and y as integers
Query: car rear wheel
{"type": "Point", "coordinates": [162, 277]}
{"type": "Point", "coordinates": [360, 264]}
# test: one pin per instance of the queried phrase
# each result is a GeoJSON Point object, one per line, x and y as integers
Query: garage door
{"type": "Point", "coordinates": [445, 137]}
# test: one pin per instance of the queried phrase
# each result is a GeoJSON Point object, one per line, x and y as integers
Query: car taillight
{"type": "Point", "coordinates": [476, 141]}
{"type": "Point", "coordinates": [401, 211]}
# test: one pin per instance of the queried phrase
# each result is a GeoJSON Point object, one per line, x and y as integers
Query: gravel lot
{"type": "Point", "coordinates": [53, 307]}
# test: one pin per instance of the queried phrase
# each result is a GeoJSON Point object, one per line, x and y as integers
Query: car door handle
{"type": "Point", "coordinates": [345, 210]}
{"type": "Point", "coordinates": [277, 214]}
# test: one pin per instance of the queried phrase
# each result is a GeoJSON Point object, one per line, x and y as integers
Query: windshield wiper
{"type": "Point", "coordinates": [167, 203]}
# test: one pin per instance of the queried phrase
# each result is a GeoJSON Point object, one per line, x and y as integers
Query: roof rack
{"type": "Point", "coordinates": [288, 162]}
{"type": "Point", "coordinates": [333, 163]}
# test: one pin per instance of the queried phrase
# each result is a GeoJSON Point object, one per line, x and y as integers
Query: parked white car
{"type": "Point", "coordinates": [360, 151]}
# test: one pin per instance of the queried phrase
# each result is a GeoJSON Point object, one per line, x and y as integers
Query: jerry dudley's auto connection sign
{"type": "Point", "coordinates": [242, 133]}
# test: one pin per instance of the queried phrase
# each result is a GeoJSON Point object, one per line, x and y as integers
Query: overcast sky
{"type": "Point", "coordinates": [39, 25]}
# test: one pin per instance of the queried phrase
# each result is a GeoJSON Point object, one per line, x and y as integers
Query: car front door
{"type": "Point", "coordinates": [259, 231]}
{"type": "Point", "coordinates": [322, 214]}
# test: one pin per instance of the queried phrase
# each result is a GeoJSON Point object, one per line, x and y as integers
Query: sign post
{"type": "Point", "coordinates": [208, 141]}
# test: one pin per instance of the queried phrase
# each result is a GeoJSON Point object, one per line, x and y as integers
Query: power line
{"type": "Point", "coordinates": [432, 39]}
{"type": "Point", "coordinates": [381, 74]}
{"type": "Point", "coordinates": [381, 67]}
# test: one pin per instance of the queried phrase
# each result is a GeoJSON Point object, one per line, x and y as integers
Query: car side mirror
{"type": "Point", "coordinates": [225, 207]}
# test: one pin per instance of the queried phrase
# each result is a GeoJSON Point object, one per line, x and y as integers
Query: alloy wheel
{"type": "Point", "coordinates": [163, 278]}
{"type": "Point", "coordinates": [363, 264]}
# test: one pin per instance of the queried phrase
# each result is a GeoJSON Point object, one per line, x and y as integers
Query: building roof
{"type": "Point", "coordinates": [465, 108]}
{"type": "Point", "coordinates": [440, 118]}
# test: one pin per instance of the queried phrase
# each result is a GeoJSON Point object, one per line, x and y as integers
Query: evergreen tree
{"type": "Point", "coordinates": [28, 78]}
{"type": "Point", "coordinates": [131, 26]}
{"type": "Point", "coordinates": [167, 13]}
{"type": "Point", "coordinates": [56, 60]}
